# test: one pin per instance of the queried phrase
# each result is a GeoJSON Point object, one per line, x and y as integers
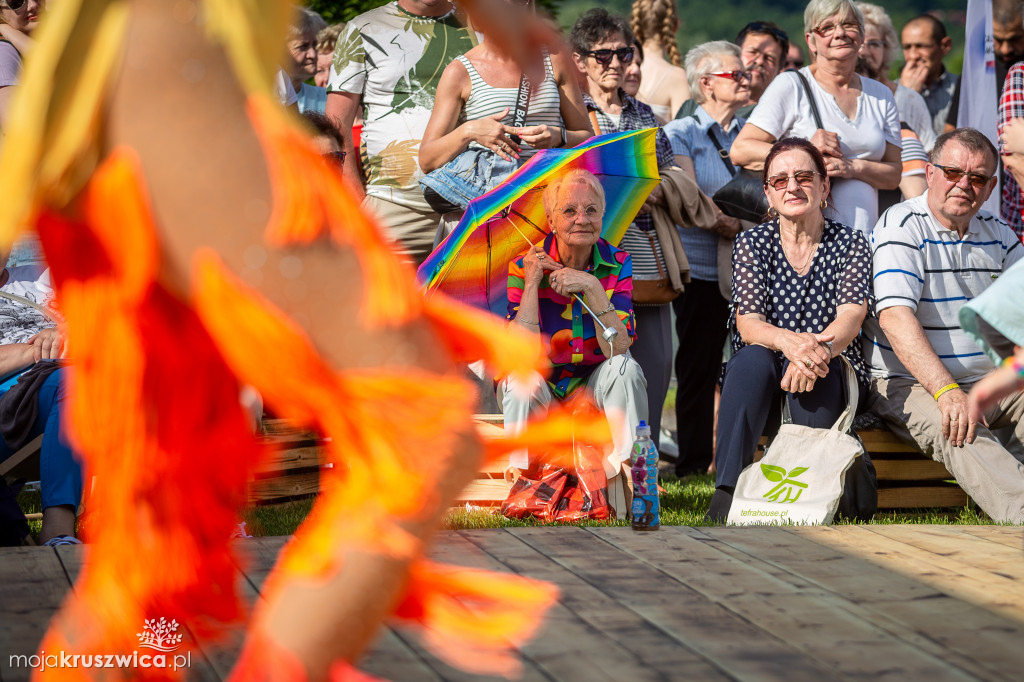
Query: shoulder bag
{"type": "Point", "coordinates": [743, 197]}
{"type": "Point", "coordinates": [800, 479]}
{"type": "Point", "coordinates": [475, 171]}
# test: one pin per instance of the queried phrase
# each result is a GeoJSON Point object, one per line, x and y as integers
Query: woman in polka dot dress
{"type": "Point", "coordinates": [800, 288]}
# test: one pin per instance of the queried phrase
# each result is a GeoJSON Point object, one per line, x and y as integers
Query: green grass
{"type": "Point", "coordinates": [683, 504]}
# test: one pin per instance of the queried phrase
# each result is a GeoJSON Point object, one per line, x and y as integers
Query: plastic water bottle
{"type": "Point", "coordinates": [646, 511]}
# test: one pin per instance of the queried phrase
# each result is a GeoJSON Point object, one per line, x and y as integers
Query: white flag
{"type": "Point", "coordinates": [978, 82]}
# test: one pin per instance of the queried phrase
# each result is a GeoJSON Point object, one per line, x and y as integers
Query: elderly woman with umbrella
{"type": "Point", "coordinates": [566, 288]}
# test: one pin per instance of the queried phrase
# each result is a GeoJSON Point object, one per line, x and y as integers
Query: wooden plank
{"type": "Point", "coordinates": [923, 497]}
{"type": "Point", "coordinates": [883, 440]}
{"type": "Point", "coordinates": [1010, 536]}
{"type": "Point", "coordinates": [283, 430]}
{"type": "Point", "coordinates": [450, 548]}
{"type": "Point", "coordinates": [730, 643]}
{"type": "Point", "coordinates": [992, 574]}
{"type": "Point", "coordinates": [910, 470]}
{"type": "Point", "coordinates": [809, 618]}
{"type": "Point", "coordinates": [484, 490]}
{"type": "Point", "coordinates": [968, 637]}
{"type": "Point", "coordinates": [588, 634]}
{"type": "Point", "coordinates": [257, 557]}
{"type": "Point", "coordinates": [267, 489]}
{"type": "Point", "coordinates": [489, 418]}
{"type": "Point", "coordinates": [292, 458]}
{"type": "Point", "coordinates": [390, 658]}
{"type": "Point", "coordinates": [32, 586]}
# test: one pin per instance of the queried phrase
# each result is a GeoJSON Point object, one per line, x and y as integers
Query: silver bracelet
{"type": "Point", "coordinates": [532, 324]}
{"type": "Point", "coordinates": [610, 308]}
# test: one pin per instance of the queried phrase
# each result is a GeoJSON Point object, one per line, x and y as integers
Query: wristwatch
{"type": "Point", "coordinates": [829, 344]}
{"type": "Point", "coordinates": [565, 140]}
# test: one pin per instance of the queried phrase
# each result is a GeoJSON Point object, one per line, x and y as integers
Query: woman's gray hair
{"type": "Point", "coordinates": [704, 59]}
{"type": "Point", "coordinates": [306, 24]}
{"type": "Point", "coordinates": [576, 175]}
{"type": "Point", "coordinates": [876, 16]}
{"type": "Point", "coordinates": [818, 11]}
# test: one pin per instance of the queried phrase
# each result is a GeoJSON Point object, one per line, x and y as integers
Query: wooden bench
{"type": "Point", "coordinates": [906, 478]}
{"type": "Point", "coordinates": [24, 465]}
{"type": "Point", "coordinates": [293, 470]}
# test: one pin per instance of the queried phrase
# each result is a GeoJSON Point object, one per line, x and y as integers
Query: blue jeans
{"type": "Point", "coordinates": [60, 472]}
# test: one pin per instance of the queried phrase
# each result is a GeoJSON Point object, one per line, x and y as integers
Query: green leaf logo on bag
{"type": "Point", "coordinates": [786, 485]}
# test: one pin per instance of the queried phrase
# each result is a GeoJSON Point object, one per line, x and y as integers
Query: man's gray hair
{"type": "Point", "coordinates": [704, 59]}
{"type": "Point", "coordinates": [576, 175]}
{"type": "Point", "coordinates": [818, 11]}
{"type": "Point", "coordinates": [306, 24]}
{"type": "Point", "coordinates": [973, 140]}
{"type": "Point", "coordinates": [877, 17]}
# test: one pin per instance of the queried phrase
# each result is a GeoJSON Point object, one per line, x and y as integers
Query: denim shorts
{"type": "Point", "coordinates": [469, 175]}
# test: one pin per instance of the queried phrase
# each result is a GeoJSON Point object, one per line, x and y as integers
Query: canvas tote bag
{"type": "Point", "coordinates": [800, 478]}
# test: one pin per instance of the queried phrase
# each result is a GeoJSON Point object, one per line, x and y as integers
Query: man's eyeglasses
{"type": "Point", "coordinates": [335, 158]}
{"type": "Point", "coordinates": [953, 174]}
{"type": "Point", "coordinates": [591, 212]}
{"type": "Point", "coordinates": [14, 4]}
{"type": "Point", "coordinates": [828, 30]}
{"type": "Point", "coordinates": [781, 182]}
{"type": "Point", "coordinates": [793, 64]}
{"type": "Point", "coordinates": [738, 75]}
{"type": "Point", "coordinates": [604, 57]}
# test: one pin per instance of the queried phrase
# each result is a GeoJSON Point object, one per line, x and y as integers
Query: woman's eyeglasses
{"type": "Point", "coordinates": [875, 44]}
{"type": "Point", "coordinates": [572, 212]}
{"type": "Point", "coordinates": [738, 75]}
{"type": "Point", "coordinates": [604, 57]}
{"type": "Point", "coordinates": [781, 182]}
{"type": "Point", "coordinates": [953, 174]}
{"type": "Point", "coordinates": [828, 30]}
{"type": "Point", "coordinates": [14, 4]}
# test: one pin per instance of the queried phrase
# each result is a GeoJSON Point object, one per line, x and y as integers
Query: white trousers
{"type": "Point", "coordinates": [620, 391]}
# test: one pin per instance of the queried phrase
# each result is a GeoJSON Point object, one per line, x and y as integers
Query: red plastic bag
{"type": "Point", "coordinates": [553, 493]}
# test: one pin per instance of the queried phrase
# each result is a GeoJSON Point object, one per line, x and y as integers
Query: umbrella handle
{"type": "Point", "coordinates": [609, 333]}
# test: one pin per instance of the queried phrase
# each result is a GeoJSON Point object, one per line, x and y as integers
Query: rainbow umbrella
{"type": "Point", "coordinates": [471, 264]}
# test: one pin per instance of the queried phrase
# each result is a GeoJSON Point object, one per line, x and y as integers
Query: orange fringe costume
{"type": "Point", "coordinates": [153, 404]}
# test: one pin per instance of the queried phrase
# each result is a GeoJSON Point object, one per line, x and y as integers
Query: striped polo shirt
{"type": "Point", "coordinates": [920, 264]}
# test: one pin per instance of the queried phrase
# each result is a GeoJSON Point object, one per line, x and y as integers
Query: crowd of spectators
{"type": "Point", "coordinates": [863, 168]}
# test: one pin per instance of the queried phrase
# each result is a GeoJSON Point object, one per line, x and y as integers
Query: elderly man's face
{"type": "Point", "coordinates": [955, 200]}
{"type": "Point", "coordinates": [762, 56]}
{"type": "Point", "coordinates": [577, 216]}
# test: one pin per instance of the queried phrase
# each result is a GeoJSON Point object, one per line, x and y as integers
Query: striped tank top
{"type": "Point", "coordinates": [486, 100]}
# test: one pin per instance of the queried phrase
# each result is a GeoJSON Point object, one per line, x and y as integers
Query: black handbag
{"type": "Point", "coordinates": [743, 196]}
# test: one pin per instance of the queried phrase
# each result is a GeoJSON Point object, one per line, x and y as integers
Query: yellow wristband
{"type": "Point", "coordinates": [945, 389]}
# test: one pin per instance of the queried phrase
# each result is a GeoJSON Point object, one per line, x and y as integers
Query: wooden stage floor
{"type": "Point", "coordinates": [815, 603]}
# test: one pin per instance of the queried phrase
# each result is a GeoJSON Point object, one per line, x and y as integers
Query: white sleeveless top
{"type": "Point", "coordinates": [486, 100]}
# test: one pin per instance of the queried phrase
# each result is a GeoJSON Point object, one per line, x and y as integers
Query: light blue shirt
{"type": "Point", "coordinates": [312, 98]}
{"type": "Point", "coordinates": [689, 137]}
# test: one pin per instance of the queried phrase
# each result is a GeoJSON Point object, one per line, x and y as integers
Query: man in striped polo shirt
{"type": "Point", "coordinates": [932, 254]}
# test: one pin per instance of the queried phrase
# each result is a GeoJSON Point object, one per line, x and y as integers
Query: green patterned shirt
{"type": "Point", "coordinates": [394, 60]}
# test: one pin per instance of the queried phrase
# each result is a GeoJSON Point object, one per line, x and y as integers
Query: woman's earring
{"type": "Point", "coordinates": [772, 212]}
{"type": "Point", "coordinates": [824, 204]}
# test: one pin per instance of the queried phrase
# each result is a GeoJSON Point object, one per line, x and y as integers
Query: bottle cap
{"type": "Point", "coordinates": [643, 429]}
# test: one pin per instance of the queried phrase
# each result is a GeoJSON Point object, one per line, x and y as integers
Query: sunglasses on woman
{"type": "Point", "coordinates": [604, 57]}
{"type": "Point", "coordinates": [953, 174]}
{"type": "Point", "coordinates": [738, 75]}
{"type": "Point", "coordinates": [781, 182]}
{"type": "Point", "coordinates": [14, 4]}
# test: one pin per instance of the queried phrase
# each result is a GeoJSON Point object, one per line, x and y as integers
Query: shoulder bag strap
{"type": "Point", "coordinates": [810, 96]}
{"type": "Point", "coordinates": [522, 104]}
{"type": "Point", "coordinates": [722, 154]}
{"type": "Point", "coordinates": [593, 121]}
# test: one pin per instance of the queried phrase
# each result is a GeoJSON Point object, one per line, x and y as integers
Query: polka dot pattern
{"type": "Point", "coordinates": [764, 282]}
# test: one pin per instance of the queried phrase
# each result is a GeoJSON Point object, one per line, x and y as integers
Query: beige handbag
{"type": "Point", "coordinates": [800, 479]}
